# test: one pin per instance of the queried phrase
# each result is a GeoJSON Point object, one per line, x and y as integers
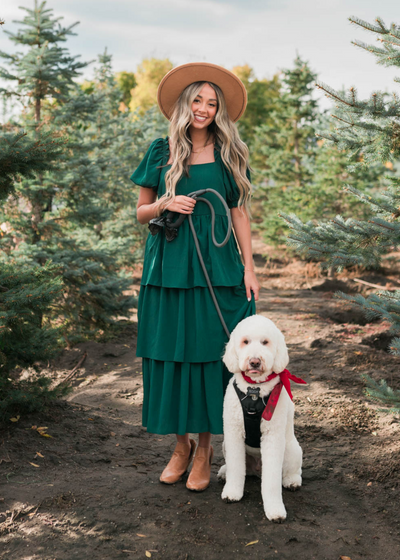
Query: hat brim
{"type": "Point", "coordinates": [175, 81]}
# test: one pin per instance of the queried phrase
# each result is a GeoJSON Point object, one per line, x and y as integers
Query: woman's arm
{"type": "Point", "coordinates": [241, 225]}
{"type": "Point", "coordinates": [148, 205]}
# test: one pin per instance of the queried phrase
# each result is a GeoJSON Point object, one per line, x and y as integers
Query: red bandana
{"type": "Point", "coordinates": [285, 377]}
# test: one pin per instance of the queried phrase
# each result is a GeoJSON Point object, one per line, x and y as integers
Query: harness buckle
{"type": "Point", "coordinates": [253, 392]}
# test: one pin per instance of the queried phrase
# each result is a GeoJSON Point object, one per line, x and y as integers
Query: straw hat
{"type": "Point", "coordinates": [175, 81]}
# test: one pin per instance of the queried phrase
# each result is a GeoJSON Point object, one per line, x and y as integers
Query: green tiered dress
{"type": "Point", "coordinates": [180, 336]}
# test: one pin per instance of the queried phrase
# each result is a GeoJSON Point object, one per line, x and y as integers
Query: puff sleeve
{"type": "Point", "coordinates": [148, 172]}
{"type": "Point", "coordinates": [232, 190]}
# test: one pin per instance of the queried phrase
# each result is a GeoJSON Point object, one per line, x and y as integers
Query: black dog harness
{"type": "Point", "coordinates": [253, 406]}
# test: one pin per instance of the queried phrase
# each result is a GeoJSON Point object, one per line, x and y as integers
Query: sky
{"type": "Point", "coordinates": [266, 34]}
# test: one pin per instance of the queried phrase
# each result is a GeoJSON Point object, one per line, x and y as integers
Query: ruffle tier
{"type": "Point", "coordinates": [178, 325]}
{"type": "Point", "coordinates": [183, 397]}
{"type": "Point", "coordinates": [176, 264]}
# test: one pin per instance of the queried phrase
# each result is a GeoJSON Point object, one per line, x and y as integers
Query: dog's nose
{"type": "Point", "coordinates": [255, 362]}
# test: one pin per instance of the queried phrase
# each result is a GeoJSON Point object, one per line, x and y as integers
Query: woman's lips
{"type": "Point", "coordinates": [199, 119]}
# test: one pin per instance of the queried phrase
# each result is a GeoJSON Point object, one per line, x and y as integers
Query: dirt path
{"type": "Point", "coordinates": [91, 490]}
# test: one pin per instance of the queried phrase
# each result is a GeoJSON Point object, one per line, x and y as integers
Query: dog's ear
{"type": "Point", "coordinates": [230, 357]}
{"type": "Point", "coordinates": [281, 356]}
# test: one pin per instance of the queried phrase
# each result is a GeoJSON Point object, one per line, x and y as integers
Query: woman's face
{"type": "Point", "coordinates": [204, 107]}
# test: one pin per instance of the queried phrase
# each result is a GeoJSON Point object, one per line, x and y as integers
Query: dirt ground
{"type": "Point", "coordinates": [90, 489]}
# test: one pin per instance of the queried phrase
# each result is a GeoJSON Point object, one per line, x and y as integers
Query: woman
{"type": "Point", "coordinates": [180, 336]}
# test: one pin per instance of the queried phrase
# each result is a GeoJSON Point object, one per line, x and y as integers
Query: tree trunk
{"type": "Point", "coordinates": [297, 181]}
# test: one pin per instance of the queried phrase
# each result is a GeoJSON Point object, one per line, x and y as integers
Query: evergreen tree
{"type": "Point", "coordinates": [21, 156]}
{"type": "Point", "coordinates": [26, 293]}
{"type": "Point", "coordinates": [284, 149]}
{"type": "Point", "coordinates": [82, 214]}
{"type": "Point", "coordinates": [324, 195]}
{"type": "Point", "coordinates": [46, 70]}
{"type": "Point", "coordinates": [369, 130]}
{"type": "Point", "coordinates": [261, 98]}
{"type": "Point", "coordinates": [382, 393]}
{"type": "Point", "coordinates": [67, 225]}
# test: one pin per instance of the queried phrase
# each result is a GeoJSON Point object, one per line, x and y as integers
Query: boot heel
{"type": "Point", "coordinates": [199, 477]}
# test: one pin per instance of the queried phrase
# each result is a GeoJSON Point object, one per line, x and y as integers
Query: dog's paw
{"type": "Point", "coordinates": [292, 482]}
{"type": "Point", "coordinates": [222, 473]}
{"type": "Point", "coordinates": [231, 494]}
{"type": "Point", "coordinates": [275, 513]}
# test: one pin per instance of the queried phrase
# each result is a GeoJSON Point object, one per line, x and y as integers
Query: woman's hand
{"type": "Point", "coordinates": [182, 204]}
{"type": "Point", "coordinates": [251, 283]}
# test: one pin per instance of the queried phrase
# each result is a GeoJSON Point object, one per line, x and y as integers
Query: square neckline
{"type": "Point", "coordinates": [191, 165]}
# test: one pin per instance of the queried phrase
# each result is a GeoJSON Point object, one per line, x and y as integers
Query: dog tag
{"type": "Point", "coordinates": [253, 392]}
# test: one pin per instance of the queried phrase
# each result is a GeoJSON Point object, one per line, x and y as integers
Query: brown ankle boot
{"type": "Point", "coordinates": [199, 477]}
{"type": "Point", "coordinates": [179, 462]}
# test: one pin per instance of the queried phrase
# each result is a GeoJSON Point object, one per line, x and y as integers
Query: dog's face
{"type": "Point", "coordinates": [256, 347]}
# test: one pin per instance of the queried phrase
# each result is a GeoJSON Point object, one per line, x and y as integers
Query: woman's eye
{"type": "Point", "coordinates": [210, 104]}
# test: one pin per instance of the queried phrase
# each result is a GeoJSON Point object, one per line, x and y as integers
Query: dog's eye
{"type": "Point", "coordinates": [265, 342]}
{"type": "Point", "coordinates": [245, 341]}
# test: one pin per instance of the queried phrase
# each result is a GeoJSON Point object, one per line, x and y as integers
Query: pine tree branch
{"type": "Point", "coordinates": [332, 93]}
{"type": "Point", "coordinates": [382, 225]}
{"type": "Point", "coordinates": [340, 225]}
{"type": "Point", "coordinates": [75, 369]}
{"type": "Point", "coordinates": [368, 26]}
{"type": "Point", "coordinates": [391, 42]}
{"type": "Point", "coordinates": [383, 393]}
{"type": "Point", "coordinates": [369, 48]}
{"type": "Point", "coordinates": [372, 285]}
{"type": "Point", "coordinates": [351, 124]}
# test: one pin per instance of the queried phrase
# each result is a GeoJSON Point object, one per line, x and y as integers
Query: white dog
{"type": "Point", "coordinates": [257, 349]}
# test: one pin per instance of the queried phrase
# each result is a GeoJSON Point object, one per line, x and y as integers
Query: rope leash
{"type": "Point", "coordinates": [171, 231]}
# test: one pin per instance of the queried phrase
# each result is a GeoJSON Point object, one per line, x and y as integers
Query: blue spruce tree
{"type": "Point", "coordinates": [26, 292]}
{"type": "Point", "coordinates": [369, 130]}
{"type": "Point", "coordinates": [80, 215]}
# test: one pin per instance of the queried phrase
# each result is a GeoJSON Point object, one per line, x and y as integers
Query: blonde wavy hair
{"type": "Point", "coordinates": [234, 152]}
